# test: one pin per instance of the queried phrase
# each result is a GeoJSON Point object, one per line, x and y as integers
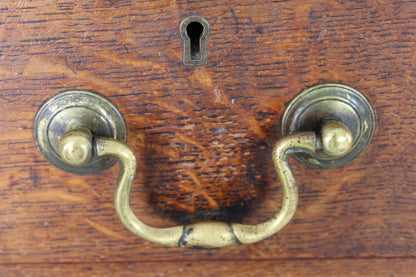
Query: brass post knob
{"type": "Point", "coordinates": [80, 146]}
{"type": "Point", "coordinates": [337, 139]}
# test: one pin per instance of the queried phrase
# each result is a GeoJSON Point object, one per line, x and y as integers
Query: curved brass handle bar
{"type": "Point", "coordinates": [208, 234]}
{"type": "Point", "coordinates": [332, 146]}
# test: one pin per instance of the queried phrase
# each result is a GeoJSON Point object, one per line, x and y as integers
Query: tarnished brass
{"type": "Point", "coordinates": [315, 106]}
{"type": "Point", "coordinates": [71, 110]}
{"type": "Point", "coordinates": [80, 145]}
{"type": "Point", "coordinates": [206, 234]}
{"type": "Point", "coordinates": [337, 139]}
{"type": "Point", "coordinates": [194, 31]}
{"type": "Point", "coordinates": [75, 147]}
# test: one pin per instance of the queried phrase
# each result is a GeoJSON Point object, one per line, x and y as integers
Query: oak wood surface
{"type": "Point", "coordinates": [286, 268]}
{"type": "Point", "coordinates": [203, 135]}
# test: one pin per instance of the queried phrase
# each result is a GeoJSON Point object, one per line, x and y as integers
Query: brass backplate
{"type": "Point", "coordinates": [76, 109]}
{"type": "Point", "coordinates": [316, 105]}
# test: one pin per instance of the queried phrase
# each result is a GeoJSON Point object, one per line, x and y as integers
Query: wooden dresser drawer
{"type": "Point", "coordinates": [203, 135]}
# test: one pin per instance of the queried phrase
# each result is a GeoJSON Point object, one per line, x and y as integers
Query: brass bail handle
{"type": "Point", "coordinates": [79, 147]}
{"type": "Point", "coordinates": [76, 148]}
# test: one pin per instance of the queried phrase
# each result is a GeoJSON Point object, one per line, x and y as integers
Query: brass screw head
{"type": "Point", "coordinates": [337, 139]}
{"type": "Point", "coordinates": [75, 147]}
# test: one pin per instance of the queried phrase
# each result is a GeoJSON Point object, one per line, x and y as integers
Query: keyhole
{"type": "Point", "coordinates": [194, 31]}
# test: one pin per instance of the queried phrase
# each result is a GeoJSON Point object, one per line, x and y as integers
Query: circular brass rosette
{"type": "Point", "coordinates": [317, 105]}
{"type": "Point", "coordinates": [76, 109]}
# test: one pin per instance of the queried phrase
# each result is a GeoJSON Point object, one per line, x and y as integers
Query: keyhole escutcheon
{"type": "Point", "coordinates": [194, 31]}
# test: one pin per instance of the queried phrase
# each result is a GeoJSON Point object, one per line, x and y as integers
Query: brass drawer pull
{"type": "Point", "coordinates": [80, 145]}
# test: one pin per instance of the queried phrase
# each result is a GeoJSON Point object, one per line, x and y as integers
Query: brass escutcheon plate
{"type": "Point", "coordinates": [316, 105]}
{"type": "Point", "coordinates": [194, 48]}
{"type": "Point", "coordinates": [77, 109]}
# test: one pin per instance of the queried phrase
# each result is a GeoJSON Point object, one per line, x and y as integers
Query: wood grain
{"type": "Point", "coordinates": [203, 135]}
{"type": "Point", "coordinates": [289, 268]}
